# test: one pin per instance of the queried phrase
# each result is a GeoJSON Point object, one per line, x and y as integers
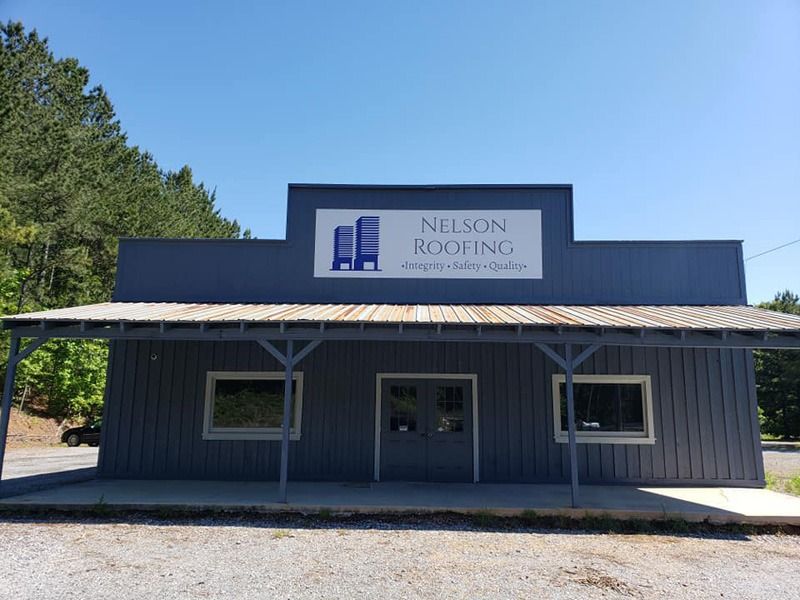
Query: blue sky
{"type": "Point", "coordinates": [673, 120]}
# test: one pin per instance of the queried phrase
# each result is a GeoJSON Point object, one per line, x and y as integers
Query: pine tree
{"type": "Point", "coordinates": [778, 379]}
{"type": "Point", "coordinates": [70, 186]}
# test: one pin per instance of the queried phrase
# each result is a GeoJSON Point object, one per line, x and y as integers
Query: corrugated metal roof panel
{"type": "Point", "coordinates": [649, 317]}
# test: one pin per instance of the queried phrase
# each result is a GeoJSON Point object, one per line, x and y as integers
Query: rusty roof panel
{"type": "Point", "coordinates": [647, 317]}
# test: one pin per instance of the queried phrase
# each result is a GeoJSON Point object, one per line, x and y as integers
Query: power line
{"type": "Point", "coordinates": [772, 249]}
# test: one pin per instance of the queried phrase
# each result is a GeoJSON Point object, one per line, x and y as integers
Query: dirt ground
{"type": "Point", "coordinates": [232, 558]}
{"type": "Point", "coordinates": [27, 430]}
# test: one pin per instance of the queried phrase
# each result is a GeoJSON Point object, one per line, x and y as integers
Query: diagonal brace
{"type": "Point", "coordinates": [585, 354]}
{"type": "Point", "coordinates": [294, 360]}
{"type": "Point", "coordinates": [554, 356]}
{"type": "Point", "coordinates": [305, 351]}
{"type": "Point", "coordinates": [273, 350]}
{"type": "Point", "coordinates": [26, 351]}
{"type": "Point", "coordinates": [561, 362]}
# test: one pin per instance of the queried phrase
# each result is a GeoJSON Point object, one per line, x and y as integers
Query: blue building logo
{"type": "Point", "coordinates": [357, 247]}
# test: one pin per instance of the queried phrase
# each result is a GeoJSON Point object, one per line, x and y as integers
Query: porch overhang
{"type": "Point", "coordinates": [654, 325]}
{"type": "Point", "coordinates": [581, 328]}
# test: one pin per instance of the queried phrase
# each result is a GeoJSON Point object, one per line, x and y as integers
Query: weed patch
{"type": "Point", "coordinates": [784, 485]}
{"type": "Point", "coordinates": [100, 508]}
{"type": "Point", "coordinates": [279, 534]}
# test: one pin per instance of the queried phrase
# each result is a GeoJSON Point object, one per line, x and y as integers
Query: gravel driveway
{"type": "Point", "coordinates": [234, 558]}
{"type": "Point", "coordinates": [783, 463]}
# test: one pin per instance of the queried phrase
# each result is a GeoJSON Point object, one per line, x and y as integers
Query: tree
{"type": "Point", "coordinates": [778, 379]}
{"type": "Point", "coordinates": [70, 186]}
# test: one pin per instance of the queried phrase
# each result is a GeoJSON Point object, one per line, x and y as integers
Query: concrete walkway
{"type": "Point", "coordinates": [719, 505]}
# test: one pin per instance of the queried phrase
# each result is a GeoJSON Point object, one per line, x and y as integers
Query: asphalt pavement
{"type": "Point", "coordinates": [26, 462]}
{"type": "Point", "coordinates": [31, 469]}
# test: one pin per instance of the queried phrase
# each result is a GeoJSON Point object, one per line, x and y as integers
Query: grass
{"type": "Point", "coordinates": [101, 507]}
{"type": "Point", "coordinates": [602, 523]}
{"type": "Point", "coordinates": [529, 516]}
{"type": "Point", "coordinates": [767, 437]}
{"type": "Point", "coordinates": [284, 523]}
{"type": "Point", "coordinates": [784, 485]}
{"type": "Point", "coordinates": [485, 519]}
{"type": "Point", "coordinates": [280, 534]}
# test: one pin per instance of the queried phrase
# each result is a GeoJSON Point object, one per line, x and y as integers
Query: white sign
{"type": "Point", "coordinates": [431, 244]}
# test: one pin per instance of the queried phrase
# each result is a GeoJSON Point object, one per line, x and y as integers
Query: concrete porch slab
{"type": "Point", "coordinates": [715, 504]}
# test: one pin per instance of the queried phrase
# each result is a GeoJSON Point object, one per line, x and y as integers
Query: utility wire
{"type": "Point", "coordinates": [772, 249]}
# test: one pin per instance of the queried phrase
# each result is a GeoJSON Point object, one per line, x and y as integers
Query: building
{"type": "Point", "coordinates": [342, 248]}
{"type": "Point", "coordinates": [367, 243]}
{"type": "Point", "coordinates": [490, 346]}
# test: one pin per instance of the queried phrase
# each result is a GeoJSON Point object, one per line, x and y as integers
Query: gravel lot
{"type": "Point", "coordinates": [234, 558]}
{"type": "Point", "coordinates": [783, 463]}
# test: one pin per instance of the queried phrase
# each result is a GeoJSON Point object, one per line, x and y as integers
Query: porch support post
{"type": "Point", "coordinates": [288, 360]}
{"type": "Point", "coordinates": [569, 364]}
{"type": "Point", "coordinates": [287, 421]}
{"type": "Point", "coordinates": [573, 441]}
{"type": "Point", "coordinates": [8, 392]}
{"type": "Point", "coordinates": [15, 356]}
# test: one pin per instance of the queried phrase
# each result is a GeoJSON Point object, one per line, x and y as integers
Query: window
{"type": "Point", "coordinates": [609, 409]}
{"type": "Point", "coordinates": [402, 408]}
{"type": "Point", "coordinates": [449, 408]}
{"type": "Point", "coordinates": [249, 405]}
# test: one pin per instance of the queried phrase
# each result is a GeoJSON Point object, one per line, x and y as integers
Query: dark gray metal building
{"type": "Point", "coordinates": [427, 333]}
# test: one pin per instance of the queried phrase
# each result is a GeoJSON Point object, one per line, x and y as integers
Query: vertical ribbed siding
{"type": "Point", "coordinates": [573, 272]}
{"type": "Point", "coordinates": [704, 412]}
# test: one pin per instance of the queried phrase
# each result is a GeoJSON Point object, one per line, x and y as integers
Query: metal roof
{"type": "Point", "coordinates": [708, 318]}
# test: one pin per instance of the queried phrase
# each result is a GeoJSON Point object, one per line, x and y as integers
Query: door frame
{"type": "Point", "coordinates": [471, 377]}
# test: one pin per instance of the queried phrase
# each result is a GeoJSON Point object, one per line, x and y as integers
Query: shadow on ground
{"type": "Point", "coordinates": [529, 523]}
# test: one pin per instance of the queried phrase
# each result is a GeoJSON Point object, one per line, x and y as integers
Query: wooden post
{"type": "Point", "coordinates": [287, 421]}
{"type": "Point", "coordinates": [573, 442]}
{"type": "Point", "coordinates": [8, 393]}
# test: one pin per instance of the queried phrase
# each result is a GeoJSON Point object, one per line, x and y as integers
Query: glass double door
{"type": "Point", "coordinates": [426, 430]}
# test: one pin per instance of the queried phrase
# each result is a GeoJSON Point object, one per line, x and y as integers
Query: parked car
{"type": "Point", "coordinates": [88, 434]}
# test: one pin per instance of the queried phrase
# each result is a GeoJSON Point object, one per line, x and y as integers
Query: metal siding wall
{"type": "Point", "coordinates": [704, 412]}
{"type": "Point", "coordinates": [693, 399]}
{"type": "Point", "coordinates": [574, 272]}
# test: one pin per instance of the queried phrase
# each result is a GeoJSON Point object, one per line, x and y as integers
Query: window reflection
{"type": "Point", "coordinates": [402, 408]}
{"type": "Point", "coordinates": [449, 408]}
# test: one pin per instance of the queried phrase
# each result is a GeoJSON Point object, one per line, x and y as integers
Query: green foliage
{"type": "Point", "coordinates": [778, 379]}
{"type": "Point", "coordinates": [70, 374]}
{"type": "Point", "coordinates": [249, 403]}
{"type": "Point", "coordinates": [782, 484]}
{"type": "Point", "coordinates": [70, 186]}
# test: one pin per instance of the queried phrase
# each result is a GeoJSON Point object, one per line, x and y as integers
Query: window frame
{"type": "Point", "coordinates": [250, 433]}
{"type": "Point", "coordinates": [606, 437]}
